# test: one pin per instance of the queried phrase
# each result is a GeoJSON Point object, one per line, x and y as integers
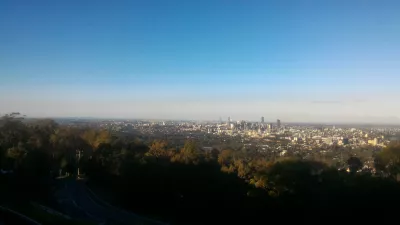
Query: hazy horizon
{"type": "Point", "coordinates": [331, 61]}
{"type": "Point", "coordinates": [307, 119]}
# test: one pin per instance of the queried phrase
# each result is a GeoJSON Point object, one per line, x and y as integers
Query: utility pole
{"type": "Point", "coordinates": [79, 159]}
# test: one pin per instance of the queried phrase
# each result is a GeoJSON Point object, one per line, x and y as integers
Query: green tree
{"type": "Point", "coordinates": [354, 164]}
{"type": "Point", "coordinates": [388, 161]}
{"type": "Point", "coordinates": [16, 154]}
{"type": "Point", "coordinates": [225, 158]}
{"type": "Point", "coordinates": [189, 154]}
{"type": "Point", "coordinates": [94, 138]}
{"type": "Point", "coordinates": [295, 176]}
{"type": "Point", "coordinates": [158, 149]}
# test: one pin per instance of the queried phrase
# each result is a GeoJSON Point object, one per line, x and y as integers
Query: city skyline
{"type": "Point", "coordinates": [323, 120]}
{"type": "Point", "coordinates": [333, 62]}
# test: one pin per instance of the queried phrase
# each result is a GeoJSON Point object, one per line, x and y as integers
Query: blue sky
{"type": "Point", "coordinates": [308, 61]}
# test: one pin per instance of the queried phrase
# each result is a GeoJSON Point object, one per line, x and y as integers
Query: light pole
{"type": "Point", "coordinates": [78, 153]}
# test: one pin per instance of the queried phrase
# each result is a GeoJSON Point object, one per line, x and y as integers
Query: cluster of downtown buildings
{"type": "Point", "coordinates": [309, 135]}
{"type": "Point", "coordinates": [333, 144]}
{"type": "Point", "coordinates": [276, 139]}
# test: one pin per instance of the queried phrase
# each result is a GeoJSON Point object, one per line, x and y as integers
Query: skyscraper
{"type": "Point", "coordinates": [278, 123]}
{"type": "Point", "coordinates": [229, 120]}
{"type": "Point", "coordinates": [269, 128]}
{"type": "Point", "coordinates": [262, 119]}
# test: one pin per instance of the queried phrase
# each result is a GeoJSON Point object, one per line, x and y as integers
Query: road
{"type": "Point", "coordinates": [9, 216]}
{"type": "Point", "coordinates": [80, 203]}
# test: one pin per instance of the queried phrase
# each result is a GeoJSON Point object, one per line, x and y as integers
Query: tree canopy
{"type": "Point", "coordinates": [178, 184]}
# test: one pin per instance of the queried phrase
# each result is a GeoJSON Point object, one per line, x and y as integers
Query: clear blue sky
{"type": "Point", "coordinates": [334, 60]}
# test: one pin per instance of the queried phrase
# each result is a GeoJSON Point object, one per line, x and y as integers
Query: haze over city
{"type": "Point", "coordinates": [316, 61]}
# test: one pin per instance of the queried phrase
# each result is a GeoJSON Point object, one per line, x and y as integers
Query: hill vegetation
{"type": "Point", "coordinates": [189, 185]}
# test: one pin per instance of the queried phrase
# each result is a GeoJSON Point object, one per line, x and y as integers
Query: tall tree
{"type": "Point", "coordinates": [388, 161]}
{"type": "Point", "coordinates": [96, 137]}
{"type": "Point", "coordinates": [354, 164]}
{"type": "Point", "coordinates": [158, 149]}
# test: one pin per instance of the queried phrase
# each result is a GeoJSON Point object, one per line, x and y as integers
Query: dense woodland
{"type": "Point", "coordinates": [188, 185]}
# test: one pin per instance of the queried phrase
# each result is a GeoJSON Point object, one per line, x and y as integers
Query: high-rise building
{"type": "Point", "coordinates": [229, 120]}
{"type": "Point", "coordinates": [243, 125]}
{"type": "Point", "coordinates": [278, 123]}
{"type": "Point", "coordinates": [269, 127]}
{"type": "Point", "coordinates": [262, 119]}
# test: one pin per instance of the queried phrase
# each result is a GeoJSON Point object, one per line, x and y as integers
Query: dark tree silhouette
{"type": "Point", "coordinates": [354, 164]}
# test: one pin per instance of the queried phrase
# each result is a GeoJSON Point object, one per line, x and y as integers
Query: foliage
{"type": "Point", "coordinates": [187, 183]}
{"type": "Point", "coordinates": [186, 180]}
{"type": "Point", "coordinates": [354, 164]}
{"type": "Point", "coordinates": [388, 161]}
{"type": "Point", "coordinates": [94, 137]}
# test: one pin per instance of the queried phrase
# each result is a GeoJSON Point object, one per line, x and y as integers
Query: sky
{"type": "Point", "coordinates": [296, 60]}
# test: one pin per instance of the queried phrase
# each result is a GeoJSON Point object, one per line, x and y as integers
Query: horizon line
{"type": "Point", "coordinates": [214, 120]}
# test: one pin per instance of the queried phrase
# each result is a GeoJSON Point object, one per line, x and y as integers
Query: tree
{"type": "Point", "coordinates": [225, 157]}
{"type": "Point", "coordinates": [96, 137]}
{"type": "Point", "coordinates": [63, 165]}
{"type": "Point", "coordinates": [295, 176]}
{"type": "Point", "coordinates": [354, 164]}
{"type": "Point", "coordinates": [388, 161]}
{"type": "Point", "coordinates": [12, 130]}
{"type": "Point", "coordinates": [242, 167]}
{"type": "Point", "coordinates": [189, 154]}
{"type": "Point", "coordinates": [260, 180]}
{"type": "Point", "coordinates": [16, 154]}
{"type": "Point", "coordinates": [158, 149]}
{"type": "Point", "coordinates": [65, 143]}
